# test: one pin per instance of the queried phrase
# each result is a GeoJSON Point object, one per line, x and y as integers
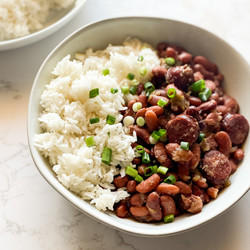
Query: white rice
{"type": "Point", "coordinates": [22, 17]}
{"type": "Point", "coordinates": [67, 109]}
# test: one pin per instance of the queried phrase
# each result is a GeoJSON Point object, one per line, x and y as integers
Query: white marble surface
{"type": "Point", "coordinates": [32, 214]}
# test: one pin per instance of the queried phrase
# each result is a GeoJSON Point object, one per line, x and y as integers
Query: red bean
{"type": "Point", "coordinates": [153, 99]}
{"type": "Point", "coordinates": [140, 112]}
{"type": "Point", "coordinates": [207, 74]}
{"type": "Point", "coordinates": [231, 104]}
{"type": "Point", "coordinates": [140, 88]}
{"type": "Point", "coordinates": [171, 52]}
{"type": "Point", "coordinates": [222, 109]}
{"type": "Point", "coordinates": [131, 186]}
{"type": "Point", "coordinates": [233, 166]}
{"type": "Point", "coordinates": [160, 154]}
{"type": "Point", "coordinates": [153, 205]}
{"type": "Point", "coordinates": [141, 169]}
{"type": "Point", "coordinates": [160, 92]}
{"type": "Point", "coordinates": [141, 213]}
{"type": "Point", "coordinates": [195, 101]}
{"type": "Point", "coordinates": [224, 142]}
{"type": "Point", "coordinates": [159, 71]}
{"type": "Point", "coordinates": [170, 189]}
{"type": "Point", "coordinates": [238, 155]}
{"type": "Point", "coordinates": [148, 184]}
{"type": "Point", "coordinates": [211, 85]}
{"type": "Point", "coordinates": [141, 132]}
{"type": "Point", "coordinates": [120, 182]}
{"type": "Point", "coordinates": [168, 205]}
{"type": "Point", "coordinates": [206, 64]}
{"type": "Point", "coordinates": [184, 188]}
{"type": "Point", "coordinates": [196, 150]}
{"type": "Point", "coordinates": [207, 106]}
{"type": "Point", "coordinates": [198, 76]}
{"type": "Point", "coordinates": [185, 57]}
{"type": "Point", "coordinates": [151, 120]}
{"type": "Point", "coordinates": [213, 120]}
{"type": "Point", "coordinates": [138, 199]}
{"type": "Point", "coordinates": [157, 109]}
{"type": "Point", "coordinates": [143, 100]}
{"type": "Point", "coordinates": [121, 211]}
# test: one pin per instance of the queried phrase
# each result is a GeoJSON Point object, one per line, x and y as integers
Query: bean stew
{"type": "Point", "coordinates": [189, 138]}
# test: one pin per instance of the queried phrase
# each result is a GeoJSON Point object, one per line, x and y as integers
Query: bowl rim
{"type": "Point", "coordinates": [44, 32]}
{"type": "Point", "coordinates": [68, 194]}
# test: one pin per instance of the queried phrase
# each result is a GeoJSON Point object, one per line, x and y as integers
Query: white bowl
{"type": "Point", "coordinates": [55, 21]}
{"type": "Point", "coordinates": [152, 30]}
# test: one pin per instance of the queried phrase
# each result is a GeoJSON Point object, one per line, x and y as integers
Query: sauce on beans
{"type": "Point", "coordinates": [189, 143]}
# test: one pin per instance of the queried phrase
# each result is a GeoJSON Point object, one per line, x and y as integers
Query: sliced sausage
{"type": "Point", "coordinates": [183, 128]}
{"type": "Point", "coordinates": [216, 167]}
{"type": "Point", "coordinates": [236, 126]}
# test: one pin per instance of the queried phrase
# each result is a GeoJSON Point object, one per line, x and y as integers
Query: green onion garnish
{"type": "Point", "coordinates": [170, 61]}
{"type": "Point", "coordinates": [198, 86]}
{"type": "Point", "coordinates": [93, 93]}
{"type": "Point", "coordinates": [149, 88]}
{"type": "Point", "coordinates": [201, 137]}
{"type": "Point", "coordinates": [171, 93]}
{"type": "Point", "coordinates": [156, 135]}
{"type": "Point", "coordinates": [170, 179]}
{"type": "Point", "coordinates": [133, 90]}
{"type": "Point", "coordinates": [90, 141]}
{"type": "Point", "coordinates": [131, 171]}
{"type": "Point", "coordinates": [140, 121]}
{"type": "Point", "coordinates": [150, 170]}
{"type": "Point", "coordinates": [134, 82]}
{"type": "Point", "coordinates": [139, 149]}
{"type": "Point", "coordinates": [205, 94]}
{"type": "Point", "coordinates": [106, 155]}
{"type": "Point", "coordinates": [105, 72]}
{"type": "Point", "coordinates": [94, 120]}
{"type": "Point", "coordinates": [130, 76]}
{"type": "Point", "coordinates": [162, 132]}
{"type": "Point", "coordinates": [169, 218]}
{"type": "Point", "coordinates": [140, 58]}
{"type": "Point", "coordinates": [145, 158]}
{"type": "Point", "coordinates": [184, 145]}
{"type": "Point", "coordinates": [110, 119]}
{"type": "Point", "coordinates": [125, 90]}
{"type": "Point", "coordinates": [162, 170]}
{"type": "Point", "coordinates": [162, 103]}
{"type": "Point", "coordinates": [137, 106]}
{"type": "Point", "coordinates": [143, 71]}
{"type": "Point", "coordinates": [113, 91]}
{"type": "Point", "coordinates": [138, 178]}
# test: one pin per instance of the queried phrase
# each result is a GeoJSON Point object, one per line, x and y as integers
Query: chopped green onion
{"type": "Point", "coordinates": [134, 82]}
{"type": "Point", "coordinates": [150, 170]}
{"type": "Point", "coordinates": [162, 170]}
{"type": "Point", "coordinates": [125, 90]}
{"type": "Point", "coordinates": [133, 90]}
{"type": "Point", "coordinates": [93, 93]}
{"type": "Point", "coordinates": [145, 158]}
{"type": "Point", "coordinates": [169, 218]}
{"type": "Point", "coordinates": [130, 76]}
{"type": "Point", "coordinates": [205, 94]}
{"type": "Point", "coordinates": [105, 72]}
{"type": "Point", "coordinates": [198, 86]}
{"type": "Point", "coordinates": [140, 58]}
{"type": "Point", "coordinates": [110, 119]}
{"type": "Point", "coordinates": [131, 171]}
{"type": "Point", "coordinates": [156, 135]}
{"type": "Point", "coordinates": [162, 103]}
{"type": "Point", "coordinates": [184, 145]}
{"type": "Point", "coordinates": [171, 93]}
{"type": "Point", "coordinates": [149, 88]}
{"type": "Point", "coordinates": [201, 137]}
{"type": "Point", "coordinates": [143, 71]}
{"type": "Point", "coordinates": [162, 132]}
{"type": "Point", "coordinates": [94, 120]}
{"type": "Point", "coordinates": [113, 91]}
{"type": "Point", "coordinates": [140, 121]}
{"type": "Point", "coordinates": [90, 141]}
{"type": "Point", "coordinates": [170, 179]}
{"type": "Point", "coordinates": [138, 178]}
{"type": "Point", "coordinates": [137, 106]}
{"type": "Point", "coordinates": [108, 133]}
{"type": "Point", "coordinates": [139, 149]}
{"type": "Point", "coordinates": [128, 120]}
{"type": "Point", "coordinates": [170, 61]}
{"type": "Point", "coordinates": [106, 155]}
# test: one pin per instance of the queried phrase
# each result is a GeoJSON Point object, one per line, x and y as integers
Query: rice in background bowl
{"type": "Point", "coordinates": [195, 40]}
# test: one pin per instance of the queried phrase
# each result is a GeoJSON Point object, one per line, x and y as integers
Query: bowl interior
{"type": "Point", "coordinates": [152, 30]}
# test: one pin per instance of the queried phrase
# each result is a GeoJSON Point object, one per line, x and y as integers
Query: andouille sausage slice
{"type": "Point", "coordinates": [183, 128]}
{"type": "Point", "coordinates": [236, 126]}
{"type": "Point", "coordinates": [216, 167]}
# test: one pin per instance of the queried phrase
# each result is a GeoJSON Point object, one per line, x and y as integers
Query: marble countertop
{"type": "Point", "coordinates": [32, 214]}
